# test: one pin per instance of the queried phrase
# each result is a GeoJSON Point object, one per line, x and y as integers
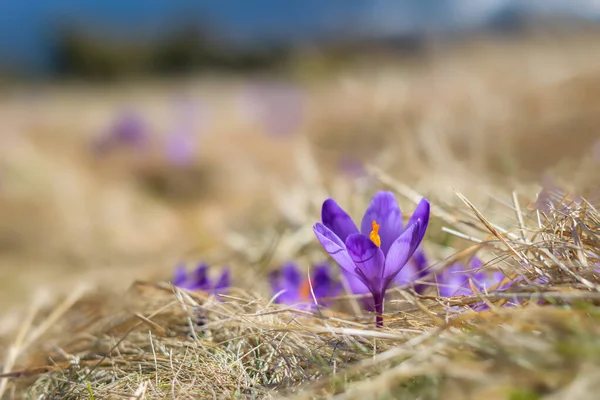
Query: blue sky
{"type": "Point", "coordinates": [27, 27]}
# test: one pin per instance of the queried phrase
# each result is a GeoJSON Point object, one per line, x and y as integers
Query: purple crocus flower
{"type": "Point", "coordinates": [352, 167]}
{"type": "Point", "coordinates": [292, 288]}
{"type": "Point", "coordinates": [180, 149]}
{"type": "Point", "coordinates": [198, 279]}
{"type": "Point", "coordinates": [377, 253]}
{"type": "Point", "coordinates": [181, 145]}
{"type": "Point", "coordinates": [128, 130]}
{"type": "Point", "coordinates": [554, 198]}
{"type": "Point", "coordinates": [415, 269]}
{"type": "Point", "coordinates": [454, 280]}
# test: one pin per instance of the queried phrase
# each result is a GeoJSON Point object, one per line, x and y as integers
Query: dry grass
{"type": "Point", "coordinates": [457, 127]}
{"type": "Point", "coordinates": [159, 341]}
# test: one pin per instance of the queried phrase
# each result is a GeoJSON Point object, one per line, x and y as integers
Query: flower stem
{"type": "Point", "coordinates": [378, 301]}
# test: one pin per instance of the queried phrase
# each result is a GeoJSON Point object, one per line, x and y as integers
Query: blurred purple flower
{"type": "Point", "coordinates": [352, 167]}
{"type": "Point", "coordinates": [414, 270]}
{"type": "Point", "coordinates": [454, 280]}
{"type": "Point", "coordinates": [554, 198]}
{"type": "Point", "coordinates": [180, 149]}
{"type": "Point", "coordinates": [128, 131]}
{"type": "Point", "coordinates": [181, 145]}
{"type": "Point", "coordinates": [294, 289]}
{"type": "Point", "coordinates": [381, 249]}
{"type": "Point", "coordinates": [278, 106]}
{"type": "Point", "coordinates": [198, 279]}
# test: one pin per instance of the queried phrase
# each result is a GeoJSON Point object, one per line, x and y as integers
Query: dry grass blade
{"type": "Point", "coordinates": [489, 226]}
{"type": "Point", "coordinates": [18, 345]}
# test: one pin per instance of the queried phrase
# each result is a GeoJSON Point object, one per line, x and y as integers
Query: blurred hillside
{"type": "Point", "coordinates": [81, 55]}
{"type": "Point", "coordinates": [133, 177]}
{"type": "Point", "coordinates": [58, 37]}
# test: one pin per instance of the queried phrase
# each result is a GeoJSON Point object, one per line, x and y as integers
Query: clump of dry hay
{"type": "Point", "coordinates": [157, 341]}
{"type": "Point", "coordinates": [478, 132]}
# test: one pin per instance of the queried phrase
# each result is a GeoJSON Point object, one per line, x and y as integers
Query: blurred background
{"type": "Point", "coordinates": [134, 135]}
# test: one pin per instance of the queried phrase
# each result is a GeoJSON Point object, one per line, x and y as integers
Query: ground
{"type": "Point", "coordinates": [88, 242]}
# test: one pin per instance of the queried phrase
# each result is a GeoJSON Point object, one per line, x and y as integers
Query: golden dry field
{"type": "Point", "coordinates": [89, 242]}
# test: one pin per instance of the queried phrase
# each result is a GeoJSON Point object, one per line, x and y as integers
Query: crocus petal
{"type": "Point", "coordinates": [498, 277]}
{"type": "Point", "coordinates": [324, 284]}
{"type": "Point", "coordinates": [401, 250]}
{"type": "Point", "coordinates": [407, 275]}
{"type": "Point", "coordinates": [420, 260]}
{"type": "Point", "coordinates": [421, 264]}
{"type": "Point", "coordinates": [180, 149]}
{"type": "Point", "coordinates": [286, 293]}
{"type": "Point", "coordinates": [288, 296]}
{"type": "Point", "coordinates": [480, 281]}
{"type": "Point", "coordinates": [224, 280]}
{"type": "Point", "coordinates": [321, 281]}
{"type": "Point", "coordinates": [485, 281]}
{"type": "Point", "coordinates": [275, 282]}
{"type": "Point", "coordinates": [489, 280]}
{"type": "Point", "coordinates": [199, 278]}
{"type": "Point", "coordinates": [385, 211]}
{"type": "Point", "coordinates": [356, 286]}
{"type": "Point", "coordinates": [335, 247]}
{"type": "Point", "coordinates": [291, 280]}
{"type": "Point", "coordinates": [180, 275]}
{"type": "Point", "coordinates": [368, 259]}
{"type": "Point", "coordinates": [421, 213]}
{"type": "Point", "coordinates": [453, 281]}
{"type": "Point", "coordinates": [337, 220]}
{"type": "Point", "coordinates": [291, 275]}
{"type": "Point", "coordinates": [476, 264]}
{"type": "Point", "coordinates": [129, 129]}
{"type": "Point", "coordinates": [446, 290]}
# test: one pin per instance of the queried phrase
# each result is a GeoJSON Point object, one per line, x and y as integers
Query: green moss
{"type": "Point", "coordinates": [585, 346]}
{"type": "Point", "coordinates": [523, 394]}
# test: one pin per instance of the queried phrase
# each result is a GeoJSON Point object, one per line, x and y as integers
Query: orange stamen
{"type": "Point", "coordinates": [374, 235]}
{"type": "Point", "coordinates": [305, 290]}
